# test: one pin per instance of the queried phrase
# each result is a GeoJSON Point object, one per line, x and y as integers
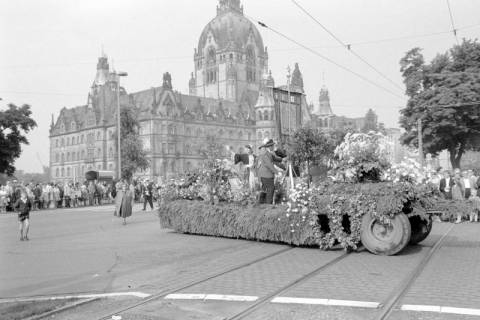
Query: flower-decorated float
{"type": "Point", "coordinates": [364, 201]}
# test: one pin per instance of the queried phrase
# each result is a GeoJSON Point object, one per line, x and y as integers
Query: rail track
{"type": "Point", "coordinates": [385, 308]}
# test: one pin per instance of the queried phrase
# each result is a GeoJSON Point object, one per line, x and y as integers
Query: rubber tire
{"type": "Point", "coordinates": [420, 228]}
{"type": "Point", "coordinates": [399, 238]}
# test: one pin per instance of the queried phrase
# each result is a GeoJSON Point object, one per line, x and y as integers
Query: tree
{"type": "Point", "coordinates": [15, 123]}
{"type": "Point", "coordinates": [134, 157]}
{"type": "Point", "coordinates": [444, 96]}
{"type": "Point", "coordinates": [312, 147]}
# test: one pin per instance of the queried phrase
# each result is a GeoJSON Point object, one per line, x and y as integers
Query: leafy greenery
{"type": "Point", "coordinates": [134, 157]}
{"type": "Point", "coordinates": [264, 223]}
{"type": "Point", "coordinates": [450, 79]}
{"type": "Point", "coordinates": [325, 216]}
{"type": "Point", "coordinates": [15, 123]}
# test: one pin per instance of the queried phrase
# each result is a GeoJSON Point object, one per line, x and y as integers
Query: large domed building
{"type": "Point", "coordinates": [231, 99]}
{"type": "Point", "coordinates": [230, 58]}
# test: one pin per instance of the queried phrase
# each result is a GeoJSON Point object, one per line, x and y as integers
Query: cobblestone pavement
{"type": "Point", "coordinates": [88, 251]}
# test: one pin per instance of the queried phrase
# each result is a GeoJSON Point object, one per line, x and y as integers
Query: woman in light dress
{"type": "Point", "coordinates": [124, 201]}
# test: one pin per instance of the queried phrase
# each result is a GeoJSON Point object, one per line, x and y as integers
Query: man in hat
{"type": "Point", "coordinates": [267, 170]}
{"type": "Point", "coordinates": [147, 194]}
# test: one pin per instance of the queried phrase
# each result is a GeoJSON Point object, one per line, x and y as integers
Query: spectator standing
{"type": "Point", "coordinates": [3, 199]}
{"type": "Point", "coordinates": [458, 191]}
{"type": "Point", "coordinates": [446, 184]}
{"type": "Point", "coordinates": [37, 191]}
{"type": "Point", "coordinates": [124, 202]}
{"type": "Point", "coordinates": [147, 194]}
{"type": "Point", "coordinates": [23, 207]}
{"type": "Point", "coordinates": [91, 193]}
{"type": "Point", "coordinates": [467, 183]}
{"type": "Point", "coordinates": [56, 196]}
{"type": "Point", "coordinates": [67, 194]}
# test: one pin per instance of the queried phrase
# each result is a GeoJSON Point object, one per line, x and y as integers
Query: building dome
{"type": "Point", "coordinates": [230, 28]}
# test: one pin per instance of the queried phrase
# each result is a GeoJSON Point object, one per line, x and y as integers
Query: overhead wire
{"type": "Point", "coordinates": [347, 46]}
{"type": "Point", "coordinates": [358, 75]}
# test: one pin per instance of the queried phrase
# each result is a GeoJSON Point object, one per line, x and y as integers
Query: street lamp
{"type": "Point", "coordinates": [119, 169]}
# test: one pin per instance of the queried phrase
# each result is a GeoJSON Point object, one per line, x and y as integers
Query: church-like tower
{"type": "Point", "coordinates": [230, 57]}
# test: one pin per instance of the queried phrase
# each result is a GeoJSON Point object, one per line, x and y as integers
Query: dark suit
{"type": "Point", "coordinates": [443, 186]}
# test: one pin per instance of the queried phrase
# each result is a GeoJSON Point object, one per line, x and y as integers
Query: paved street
{"type": "Point", "coordinates": [89, 251]}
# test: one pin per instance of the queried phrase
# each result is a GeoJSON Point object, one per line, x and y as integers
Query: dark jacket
{"type": "Point", "coordinates": [266, 167]}
{"type": "Point", "coordinates": [443, 184]}
{"type": "Point", "coordinates": [23, 208]}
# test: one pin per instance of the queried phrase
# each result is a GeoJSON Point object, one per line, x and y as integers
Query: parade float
{"type": "Point", "coordinates": [364, 201]}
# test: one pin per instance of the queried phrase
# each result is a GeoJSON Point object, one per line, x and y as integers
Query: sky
{"type": "Point", "coordinates": [49, 49]}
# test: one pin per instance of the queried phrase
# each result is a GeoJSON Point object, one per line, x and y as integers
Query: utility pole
{"type": "Point", "coordinates": [420, 142]}
{"type": "Point", "coordinates": [119, 169]}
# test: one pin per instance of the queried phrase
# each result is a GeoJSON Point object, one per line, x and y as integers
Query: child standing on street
{"type": "Point", "coordinates": [475, 200]}
{"type": "Point", "coordinates": [23, 207]}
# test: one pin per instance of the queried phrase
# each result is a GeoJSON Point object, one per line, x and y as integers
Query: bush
{"type": "Point", "coordinates": [265, 223]}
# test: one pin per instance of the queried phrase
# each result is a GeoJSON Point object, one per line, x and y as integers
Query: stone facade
{"type": "Point", "coordinates": [231, 98]}
{"type": "Point", "coordinates": [323, 116]}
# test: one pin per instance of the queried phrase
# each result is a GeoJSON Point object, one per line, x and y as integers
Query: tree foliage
{"type": "Point", "coordinates": [134, 157]}
{"type": "Point", "coordinates": [312, 146]}
{"type": "Point", "coordinates": [450, 79]}
{"type": "Point", "coordinates": [211, 151]}
{"type": "Point", "coordinates": [15, 123]}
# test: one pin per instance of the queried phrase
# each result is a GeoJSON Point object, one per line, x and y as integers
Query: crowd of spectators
{"type": "Point", "coordinates": [57, 195]}
{"type": "Point", "coordinates": [72, 195]}
{"type": "Point", "coordinates": [460, 186]}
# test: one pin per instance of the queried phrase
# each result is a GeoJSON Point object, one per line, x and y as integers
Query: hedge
{"type": "Point", "coordinates": [230, 220]}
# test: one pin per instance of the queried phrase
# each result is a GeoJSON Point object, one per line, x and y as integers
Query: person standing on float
{"type": "Point", "coordinates": [267, 171]}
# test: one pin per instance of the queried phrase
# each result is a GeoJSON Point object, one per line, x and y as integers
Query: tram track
{"type": "Point", "coordinates": [385, 308]}
{"type": "Point", "coordinates": [388, 306]}
{"type": "Point", "coordinates": [164, 293]}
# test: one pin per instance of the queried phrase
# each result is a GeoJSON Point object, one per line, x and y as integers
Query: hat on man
{"type": "Point", "coordinates": [267, 144]}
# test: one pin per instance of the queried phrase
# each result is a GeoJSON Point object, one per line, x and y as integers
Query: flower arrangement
{"type": "Point", "coordinates": [408, 170]}
{"type": "Point", "coordinates": [361, 157]}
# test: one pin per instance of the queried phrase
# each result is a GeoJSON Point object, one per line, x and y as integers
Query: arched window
{"type": "Point", "coordinates": [57, 173]}
{"type": "Point", "coordinates": [260, 117]}
{"type": "Point", "coordinates": [63, 142]}
{"type": "Point", "coordinates": [83, 154]}
{"type": "Point", "coordinates": [73, 156]}
{"type": "Point", "coordinates": [73, 126]}
{"type": "Point", "coordinates": [63, 157]}
{"type": "Point", "coordinates": [265, 115]}
{"type": "Point", "coordinates": [68, 172]}
{"type": "Point", "coordinates": [63, 172]}
{"type": "Point", "coordinates": [212, 56]}
{"type": "Point", "coordinates": [110, 152]}
{"type": "Point", "coordinates": [68, 156]}
{"type": "Point", "coordinates": [250, 55]}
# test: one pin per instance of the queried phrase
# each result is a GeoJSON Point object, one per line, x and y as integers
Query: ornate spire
{"type": "Point", "coordinates": [324, 108]}
{"type": "Point", "coordinates": [297, 78]}
{"type": "Point", "coordinates": [229, 5]}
